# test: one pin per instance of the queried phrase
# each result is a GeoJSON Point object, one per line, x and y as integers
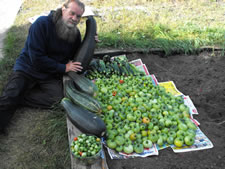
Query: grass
{"type": "Point", "coordinates": [184, 26]}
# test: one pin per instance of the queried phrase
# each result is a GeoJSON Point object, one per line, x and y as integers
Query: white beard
{"type": "Point", "coordinates": [66, 31]}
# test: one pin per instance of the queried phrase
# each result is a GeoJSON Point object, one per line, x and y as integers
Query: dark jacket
{"type": "Point", "coordinates": [45, 55]}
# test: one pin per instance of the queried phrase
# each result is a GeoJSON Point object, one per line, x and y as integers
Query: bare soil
{"type": "Point", "coordinates": [199, 76]}
{"type": "Point", "coordinates": [202, 78]}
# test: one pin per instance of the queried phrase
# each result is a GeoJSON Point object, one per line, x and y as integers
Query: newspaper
{"type": "Point", "coordinates": [170, 87]}
{"type": "Point", "coordinates": [136, 62]}
{"type": "Point", "coordinates": [201, 143]}
{"type": "Point", "coordinates": [189, 103]}
{"type": "Point", "coordinates": [147, 152]}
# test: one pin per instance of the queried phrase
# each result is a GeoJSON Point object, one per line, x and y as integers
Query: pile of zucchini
{"type": "Point", "coordinates": [106, 67]}
{"type": "Point", "coordinates": [82, 108]}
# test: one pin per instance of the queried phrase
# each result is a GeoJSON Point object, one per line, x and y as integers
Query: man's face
{"type": "Point", "coordinates": [72, 14]}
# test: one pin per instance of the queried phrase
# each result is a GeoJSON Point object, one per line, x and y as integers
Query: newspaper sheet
{"type": "Point", "coordinates": [201, 143]}
{"type": "Point", "coordinates": [189, 103]}
{"type": "Point", "coordinates": [170, 87]}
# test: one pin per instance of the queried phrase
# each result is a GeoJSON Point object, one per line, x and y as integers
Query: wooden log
{"type": "Point", "coordinates": [73, 131]}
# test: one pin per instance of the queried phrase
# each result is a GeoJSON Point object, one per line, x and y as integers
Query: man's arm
{"type": "Point", "coordinates": [37, 49]}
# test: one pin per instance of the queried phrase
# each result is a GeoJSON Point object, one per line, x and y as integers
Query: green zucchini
{"type": "Point", "coordinates": [86, 121]}
{"type": "Point", "coordinates": [82, 99]}
{"type": "Point", "coordinates": [86, 51]}
{"type": "Point", "coordinates": [83, 84]}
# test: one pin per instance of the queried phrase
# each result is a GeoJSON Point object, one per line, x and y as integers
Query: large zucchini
{"type": "Point", "coordinates": [86, 121]}
{"type": "Point", "coordinates": [82, 99]}
{"type": "Point", "coordinates": [86, 51]}
{"type": "Point", "coordinates": [83, 84]}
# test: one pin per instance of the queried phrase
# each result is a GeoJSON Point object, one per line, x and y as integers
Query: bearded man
{"type": "Point", "coordinates": [37, 74]}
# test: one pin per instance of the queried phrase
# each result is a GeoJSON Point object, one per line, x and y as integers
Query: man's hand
{"type": "Point", "coordinates": [73, 66]}
{"type": "Point", "coordinates": [96, 38]}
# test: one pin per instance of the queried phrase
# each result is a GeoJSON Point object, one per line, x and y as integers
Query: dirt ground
{"type": "Point", "coordinates": [202, 78]}
{"type": "Point", "coordinates": [199, 76]}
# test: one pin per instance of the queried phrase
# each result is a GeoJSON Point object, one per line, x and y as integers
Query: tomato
{"type": "Point", "coordinates": [114, 93]}
{"type": "Point", "coordinates": [146, 120]}
{"type": "Point", "coordinates": [109, 107]}
{"type": "Point", "coordinates": [119, 148]}
{"type": "Point", "coordinates": [182, 126]}
{"type": "Point", "coordinates": [75, 139]}
{"type": "Point", "coordinates": [121, 81]}
{"type": "Point", "coordinates": [179, 141]}
{"type": "Point", "coordinates": [189, 140]}
{"type": "Point", "coordinates": [147, 144]}
{"type": "Point", "coordinates": [144, 133]}
{"type": "Point", "coordinates": [128, 148]}
{"type": "Point", "coordinates": [170, 140]}
{"type": "Point", "coordinates": [120, 140]}
{"type": "Point", "coordinates": [133, 136]}
{"type": "Point", "coordinates": [111, 144]}
{"type": "Point", "coordinates": [160, 141]}
{"type": "Point", "coordinates": [150, 125]}
{"type": "Point", "coordinates": [153, 137]}
{"type": "Point", "coordinates": [138, 148]}
{"type": "Point", "coordinates": [131, 117]}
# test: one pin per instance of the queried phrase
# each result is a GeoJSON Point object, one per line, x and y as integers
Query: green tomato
{"type": "Point", "coordinates": [104, 90]}
{"type": "Point", "coordinates": [122, 115]}
{"type": "Point", "coordinates": [143, 126]}
{"type": "Point", "coordinates": [144, 133]}
{"type": "Point", "coordinates": [179, 141]}
{"type": "Point", "coordinates": [172, 133]}
{"type": "Point", "coordinates": [182, 107]}
{"type": "Point", "coordinates": [119, 139]}
{"type": "Point", "coordinates": [136, 129]}
{"type": "Point", "coordinates": [131, 117]}
{"type": "Point", "coordinates": [128, 148]}
{"type": "Point", "coordinates": [170, 140]}
{"type": "Point", "coordinates": [111, 144]}
{"type": "Point", "coordinates": [119, 148]}
{"type": "Point", "coordinates": [154, 121]}
{"type": "Point", "coordinates": [109, 126]}
{"type": "Point", "coordinates": [165, 130]}
{"type": "Point", "coordinates": [109, 119]}
{"type": "Point", "coordinates": [173, 128]}
{"type": "Point", "coordinates": [137, 113]}
{"type": "Point", "coordinates": [126, 127]}
{"type": "Point", "coordinates": [138, 148]}
{"type": "Point", "coordinates": [160, 141]}
{"type": "Point", "coordinates": [150, 126]}
{"type": "Point", "coordinates": [147, 144]}
{"type": "Point", "coordinates": [191, 132]}
{"type": "Point", "coordinates": [189, 140]}
{"type": "Point", "coordinates": [168, 122]}
{"type": "Point", "coordinates": [163, 135]}
{"type": "Point", "coordinates": [182, 126]}
{"type": "Point", "coordinates": [191, 125]}
{"type": "Point", "coordinates": [153, 137]}
{"type": "Point", "coordinates": [139, 120]}
{"type": "Point", "coordinates": [181, 133]}
{"type": "Point", "coordinates": [117, 119]}
{"type": "Point", "coordinates": [121, 130]}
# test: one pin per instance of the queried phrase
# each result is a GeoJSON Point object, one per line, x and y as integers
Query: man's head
{"type": "Point", "coordinates": [67, 18]}
{"type": "Point", "coordinates": [72, 11]}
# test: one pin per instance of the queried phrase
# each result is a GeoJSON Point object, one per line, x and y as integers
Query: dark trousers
{"type": "Point", "coordinates": [23, 90]}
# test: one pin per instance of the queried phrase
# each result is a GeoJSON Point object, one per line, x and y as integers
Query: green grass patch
{"type": "Point", "coordinates": [169, 25]}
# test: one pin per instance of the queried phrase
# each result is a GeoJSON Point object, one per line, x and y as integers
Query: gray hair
{"type": "Point", "coordinates": [78, 2]}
